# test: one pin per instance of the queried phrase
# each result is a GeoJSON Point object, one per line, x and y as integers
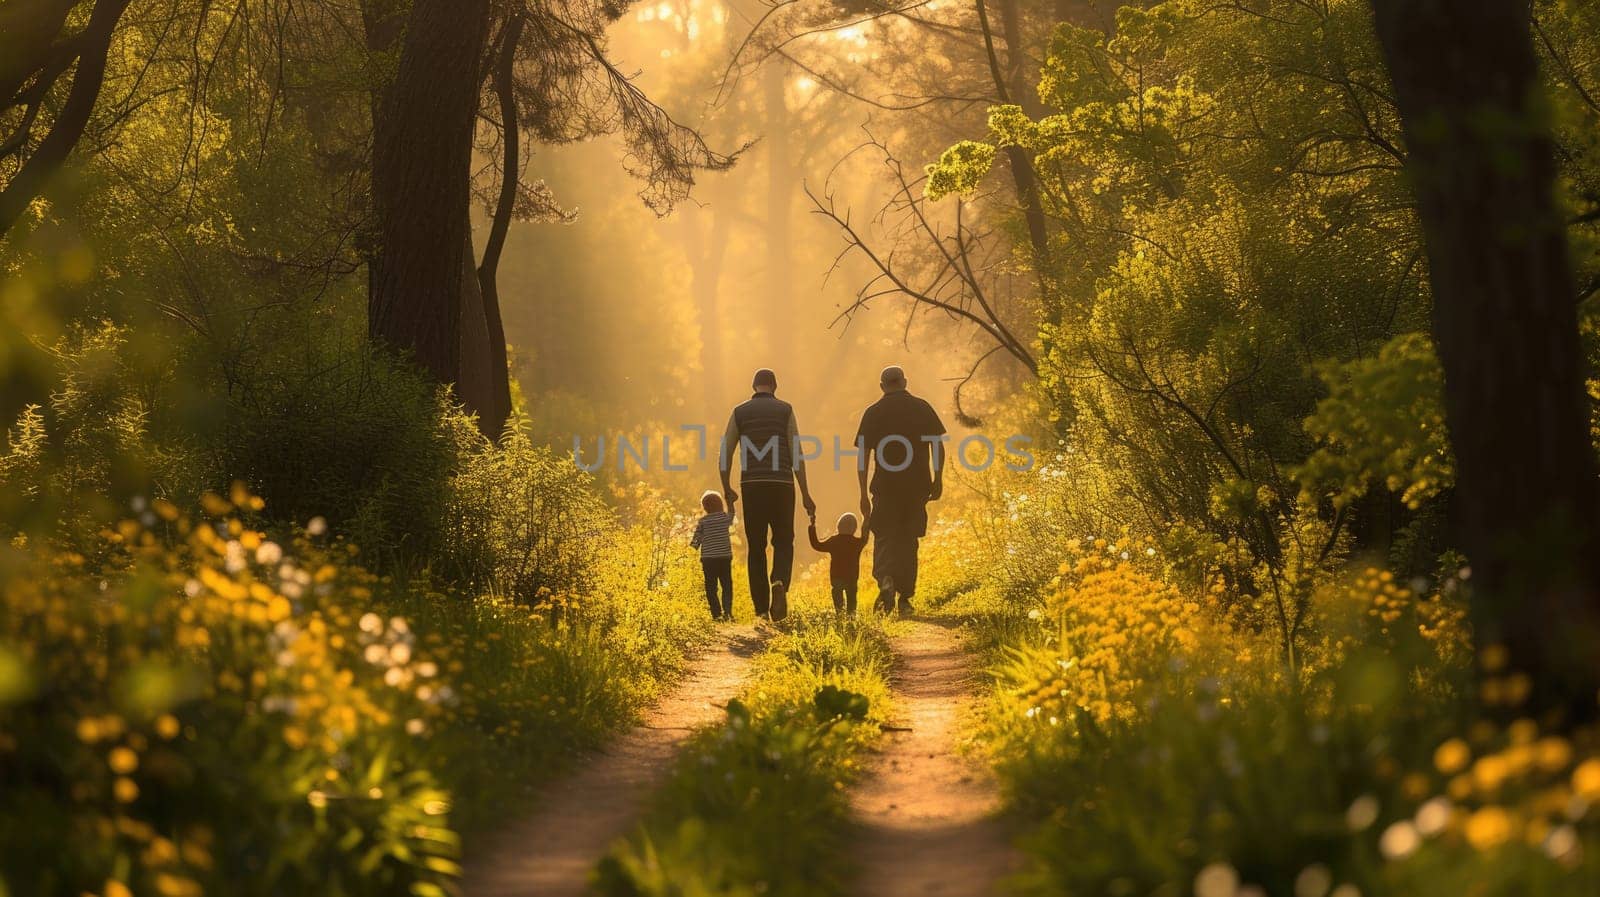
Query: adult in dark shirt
{"type": "Point", "coordinates": [763, 434]}
{"type": "Point", "coordinates": [902, 438]}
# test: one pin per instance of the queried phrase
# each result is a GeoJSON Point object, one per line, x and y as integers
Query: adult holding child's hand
{"type": "Point", "coordinates": [764, 435]}
{"type": "Point", "coordinates": [901, 439]}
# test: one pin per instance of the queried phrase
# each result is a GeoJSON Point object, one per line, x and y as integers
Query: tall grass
{"type": "Point", "coordinates": [758, 805]}
{"type": "Point", "coordinates": [1154, 743]}
{"type": "Point", "coordinates": [207, 710]}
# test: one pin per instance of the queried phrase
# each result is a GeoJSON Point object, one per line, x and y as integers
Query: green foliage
{"type": "Point", "coordinates": [519, 519]}
{"type": "Point", "coordinates": [222, 711]}
{"type": "Point", "coordinates": [1382, 421]}
{"type": "Point", "coordinates": [250, 717]}
{"type": "Point", "coordinates": [959, 169]}
{"type": "Point", "coordinates": [21, 468]}
{"type": "Point", "coordinates": [1156, 748]}
{"type": "Point", "coordinates": [1232, 295]}
{"type": "Point", "coordinates": [1357, 796]}
{"type": "Point", "coordinates": [348, 435]}
{"type": "Point", "coordinates": [756, 806]}
{"type": "Point", "coordinates": [99, 438]}
{"type": "Point", "coordinates": [272, 753]}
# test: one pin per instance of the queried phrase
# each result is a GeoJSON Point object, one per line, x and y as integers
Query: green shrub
{"type": "Point", "coordinates": [1153, 748]}
{"type": "Point", "coordinates": [347, 434]}
{"type": "Point", "coordinates": [519, 519]}
{"type": "Point", "coordinates": [80, 450]}
{"type": "Point", "coordinates": [758, 805]}
{"type": "Point", "coordinates": [208, 708]}
{"type": "Point", "coordinates": [223, 714]}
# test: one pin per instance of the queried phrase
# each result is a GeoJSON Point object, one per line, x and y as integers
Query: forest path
{"type": "Point", "coordinates": [927, 813]}
{"type": "Point", "coordinates": [579, 815]}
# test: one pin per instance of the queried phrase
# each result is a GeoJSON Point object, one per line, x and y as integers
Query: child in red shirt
{"type": "Point", "coordinates": [844, 559]}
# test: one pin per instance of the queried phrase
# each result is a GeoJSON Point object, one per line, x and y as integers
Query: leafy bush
{"type": "Point", "coordinates": [220, 713]}
{"type": "Point", "coordinates": [206, 709]}
{"type": "Point", "coordinates": [757, 806]}
{"type": "Point", "coordinates": [519, 519]}
{"type": "Point", "coordinates": [1155, 745]}
{"type": "Point", "coordinates": [348, 434]}
{"type": "Point", "coordinates": [94, 440]}
{"type": "Point", "coordinates": [1383, 421]}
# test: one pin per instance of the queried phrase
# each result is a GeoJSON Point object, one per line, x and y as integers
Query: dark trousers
{"type": "Point", "coordinates": [719, 570]}
{"type": "Point", "coordinates": [768, 506]}
{"type": "Point", "coordinates": [844, 597]}
{"type": "Point", "coordinates": [897, 524]}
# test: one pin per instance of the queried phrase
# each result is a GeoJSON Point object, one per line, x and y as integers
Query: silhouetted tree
{"type": "Point", "coordinates": [1505, 322]}
{"type": "Point", "coordinates": [37, 48]}
{"type": "Point", "coordinates": [421, 167]}
{"type": "Point", "coordinates": [543, 76]}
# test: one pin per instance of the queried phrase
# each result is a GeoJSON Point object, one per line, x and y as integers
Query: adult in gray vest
{"type": "Point", "coordinates": [903, 437]}
{"type": "Point", "coordinates": [763, 433]}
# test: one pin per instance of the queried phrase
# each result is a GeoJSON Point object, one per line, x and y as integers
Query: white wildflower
{"type": "Point", "coordinates": [1362, 813]}
{"type": "Point", "coordinates": [233, 559]}
{"type": "Point", "coordinates": [1434, 816]}
{"type": "Point", "coordinates": [1562, 843]}
{"type": "Point", "coordinates": [1217, 880]}
{"type": "Point", "coordinates": [1313, 881]}
{"type": "Point", "coordinates": [1400, 840]}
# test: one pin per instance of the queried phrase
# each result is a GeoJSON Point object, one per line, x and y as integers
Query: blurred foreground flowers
{"type": "Point", "coordinates": [1159, 743]}
{"type": "Point", "coordinates": [213, 711]}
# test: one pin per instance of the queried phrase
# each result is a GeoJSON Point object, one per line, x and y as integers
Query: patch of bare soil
{"type": "Point", "coordinates": [578, 816]}
{"type": "Point", "coordinates": [928, 813]}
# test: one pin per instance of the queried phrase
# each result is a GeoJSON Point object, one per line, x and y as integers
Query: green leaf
{"type": "Point", "coordinates": [960, 169]}
{"type": "Point", "coordinates": [738, 714]}
{"type": "Point", "coordinates": [832, 702]}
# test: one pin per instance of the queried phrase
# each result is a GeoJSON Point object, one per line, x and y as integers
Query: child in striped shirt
{"type": "Point", "coordinates": [716, 553]}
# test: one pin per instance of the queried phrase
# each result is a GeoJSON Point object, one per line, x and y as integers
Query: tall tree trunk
{"type": "Point", "coordinates": [422, 150]}
{"type": "Point", "coordinates": [496, 407]}
{"type": "Point", "coordinates": [1019, 80]}
{"type": "Point", "coordinates": [93, 43]}
{"type": "Point", "coordinates": [1023, 179]}
{"type": "Point", "coordinates": [28, 33]}
{"type": "Point", "coordinates": [475, 381]}
{"type": "Point", "coordinates": [1505, 321]}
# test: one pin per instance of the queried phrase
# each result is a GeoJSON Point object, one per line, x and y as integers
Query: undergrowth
{"type": "Point", "coordinates": [758, 804]}
{"type": "Point", "coordinates": [208, 709]}
{"type": "Point", "coordinates": [1153, 744]}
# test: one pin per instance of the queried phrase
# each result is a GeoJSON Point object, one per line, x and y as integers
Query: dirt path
{"type": "Point", "coordinates": [552, 853]}
{"type": "Point", "coordinates": [928, 813]}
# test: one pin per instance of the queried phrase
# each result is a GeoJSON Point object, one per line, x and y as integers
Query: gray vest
{"type": "Point", "coordinates": [765, 455]}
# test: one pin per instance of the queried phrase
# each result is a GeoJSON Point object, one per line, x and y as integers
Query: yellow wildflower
{"type": "Point", "coordinates": [1586, 780]}
{"type": "Point", "coordinates": [1489, 827]}
{"type": "Point", "coordinates": [1452, 756]}
{"type": "Point", "coordinates": [123, 760]}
